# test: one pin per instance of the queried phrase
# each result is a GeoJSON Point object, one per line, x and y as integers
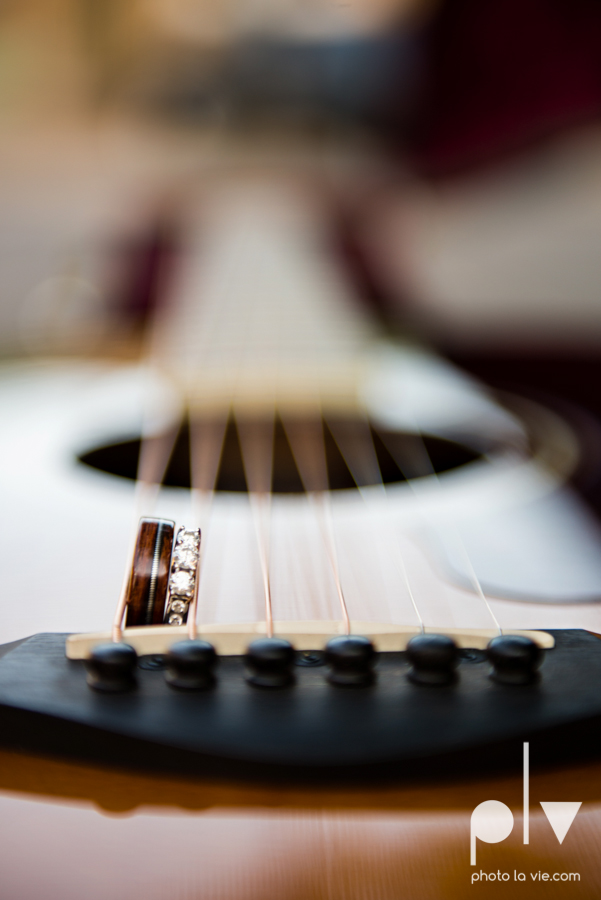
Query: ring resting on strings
{"type": "Point", "coordinates": [163, 582]}
{"type": "Point", "coordinates": [162, 590]}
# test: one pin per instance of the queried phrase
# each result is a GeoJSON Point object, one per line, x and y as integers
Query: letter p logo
{"type": "Point", "coordinates": [492, 822]}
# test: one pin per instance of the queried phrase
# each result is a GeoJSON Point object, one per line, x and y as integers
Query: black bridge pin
{"type": "Point", "coordinates": [433, 658]}
{"type": "Point", "coordinates": [111, 668]}
{"type": "Point", "coordinates": [190, 665]}
{"type": "Point", "coordinates": [351, 659]}
{"type": "Point", "coordinates": [515, 659]}
{"type": "Point", "coordinates": [269, 663]}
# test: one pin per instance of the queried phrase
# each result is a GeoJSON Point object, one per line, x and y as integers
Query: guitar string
{"type": "Point", "coordinates": [207, 433]}
{"type": "Point", "coordinates": [431, 472]}
{"type": "Point", "coordinates": [261, 503]}
{"type": "Point", "coordinates": [152, 467]}
{"type": "Point", "coordinates": [153, 458]}
{"type": "Point", "coordinates": [258, 498]}
{"type": "Point", "coordinates": [205, 456]}
{"type": "Point", "coordinates": [205, 460]}
{"type": "Point", "coordinates": [155, 449]}
{"type": "Point", "coordinates": [151, 476]}
{"type": "Point", "coordinates": [315, 481]}
{"type": "Point", "coordinates": [366, 472]}
{"type": "Point", "coordinates": [318, 487]}
{"type": "Point", "coordinates": [309, 451]}
{"type": "Point", "coordinates": [155, 453]}
{"type": "Point", "coordinates": [256, 439]}
{"type": "Point", "coordinates": [258, 490]}
{"type": "Point", "coordinates": [257, 455]}
{"type": "Point", "coordinates": [206, 440]}
{"type": "Point", "coordinates": [475, 581]}
{"type": "Point", "coordinates": [327, 521]}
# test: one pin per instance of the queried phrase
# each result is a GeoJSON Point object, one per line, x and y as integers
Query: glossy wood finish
{"type": "Point", "coordinates": [149, 578]}
{"type": "Point", "coordinates": [246, 842]}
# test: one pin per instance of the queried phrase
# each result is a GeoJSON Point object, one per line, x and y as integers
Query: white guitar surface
{"type": "Point", "coordinates": [66, 529]}
{"type": "Point", "coordinates": [534, 548]}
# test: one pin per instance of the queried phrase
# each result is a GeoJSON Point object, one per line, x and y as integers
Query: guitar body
{"type": "Point", "coordinates": [191, 766]}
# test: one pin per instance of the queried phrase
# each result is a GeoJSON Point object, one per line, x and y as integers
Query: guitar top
{"type": "Point", "coordinates": [334, 616]}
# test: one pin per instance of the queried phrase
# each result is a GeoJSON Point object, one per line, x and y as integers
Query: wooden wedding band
{"type": "Point", "coordinates": [149, 577]}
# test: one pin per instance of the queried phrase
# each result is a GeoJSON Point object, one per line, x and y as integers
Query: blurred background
{"type": "Point", "coordinates": [464, 148]}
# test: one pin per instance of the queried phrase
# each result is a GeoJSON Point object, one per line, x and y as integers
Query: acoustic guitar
{"type": "Point", "coordinates": [338, 598]}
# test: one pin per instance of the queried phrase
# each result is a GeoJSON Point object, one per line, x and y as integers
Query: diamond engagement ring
{"type": "Point", "coordinates": [184, 573]}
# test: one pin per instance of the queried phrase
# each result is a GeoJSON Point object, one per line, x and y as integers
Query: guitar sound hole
{"type": "Point", "coordinates": [121, 458]}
